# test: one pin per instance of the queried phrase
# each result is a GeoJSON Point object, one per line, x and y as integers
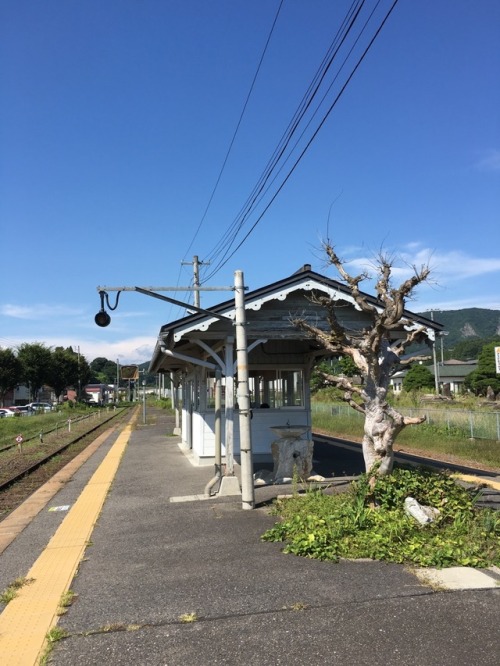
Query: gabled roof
{"type": "Point", "coordinates": [303, 280]}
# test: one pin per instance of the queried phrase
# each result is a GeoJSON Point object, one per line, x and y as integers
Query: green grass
{"type": "Point", "coordinates": [31, 426]}
{"type": "Point", "coordinates": [346, 525]}
{"type": "Point", "coordinates": [435, 437]}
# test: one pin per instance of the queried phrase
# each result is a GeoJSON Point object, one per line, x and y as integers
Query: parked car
{"type": "Point", "coordinates": [40, 406]}
{"type": "Point", "coordinates": [24, 409]}
{"type": "Point", "coordinates": [4, 412]}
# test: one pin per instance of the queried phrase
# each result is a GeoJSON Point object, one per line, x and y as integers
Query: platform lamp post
{"type": "Point", "coordinates": [143, 396]}
{"type": "Point", "coordinates": [103, 319]}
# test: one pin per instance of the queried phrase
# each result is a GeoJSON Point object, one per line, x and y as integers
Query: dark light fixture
{"type": "Point", "coordinates": [102, 318]}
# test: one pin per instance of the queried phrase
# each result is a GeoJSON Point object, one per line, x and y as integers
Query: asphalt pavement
{"type": "Point", "coordinates": [190, 583]}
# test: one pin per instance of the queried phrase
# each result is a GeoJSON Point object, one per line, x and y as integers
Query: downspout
{"type": "Point", "coordinates": [217, 431]}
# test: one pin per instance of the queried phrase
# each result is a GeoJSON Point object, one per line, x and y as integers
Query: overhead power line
{"type": "Point", "coordinates": [226, 246]}
{"type": "Point", "coordinates": [253, 199]}
{"type": "Point", "coordinates": [231, 143]}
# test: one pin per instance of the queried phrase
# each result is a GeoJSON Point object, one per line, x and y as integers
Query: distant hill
{"type": "Point", "coordinates": [467, 324]}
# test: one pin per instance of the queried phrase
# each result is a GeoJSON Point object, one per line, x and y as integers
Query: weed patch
{"type": "Point", "coordinates": [53, 636]}
{"type": "Point", "coordinates": [66, 601]}
{"type": "Point", "coordinates": [12, 590]}
{"type": "Point", "coordinates": [188, 618]}
{"type": "Point", "coordinates": [331, 527]}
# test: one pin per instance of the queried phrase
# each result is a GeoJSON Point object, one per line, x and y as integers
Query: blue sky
{"type": "Point", "coordinates": [116, 119]}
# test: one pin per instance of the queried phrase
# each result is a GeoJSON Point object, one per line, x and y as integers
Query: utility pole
{"type": "Point", "coordinates": [117, 385]}
{"type": "Point", "coordinates": [434, 360]}
{"type": "Point", "coordinates": [79, 396]}
{"type": "Point", "coordinates": [243, 393]}
{"type": "Point", "coordinates": [196, 263]}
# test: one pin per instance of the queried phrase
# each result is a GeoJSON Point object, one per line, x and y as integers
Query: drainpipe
{"type": "Point", "coordinates": [217, 431]}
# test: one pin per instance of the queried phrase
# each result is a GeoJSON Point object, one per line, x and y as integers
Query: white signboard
{"type": "Point", "coordinates": [497, 359]}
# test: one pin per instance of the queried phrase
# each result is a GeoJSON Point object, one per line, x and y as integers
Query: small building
{"type": "Point", "coordinates": [99, 394]}
{"type": "Point", "coordinates": [22, 395]}
{"type": "Point", "coordinates": [200, 347]}
{"type": "Point", "coordinates": [451, 374]}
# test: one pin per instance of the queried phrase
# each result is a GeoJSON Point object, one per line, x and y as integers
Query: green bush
{"type": "Point", "coordinates": [350, 525]}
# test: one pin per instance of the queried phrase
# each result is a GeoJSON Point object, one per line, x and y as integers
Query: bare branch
{"type": "Point", "coordinates": [351, 281]}
{"type": "Point", "coordinates": [325, 339]}
{"type": "Point", "coordinates": [416, 335]}
{"type": "Point", "coordinates": [413, 359]}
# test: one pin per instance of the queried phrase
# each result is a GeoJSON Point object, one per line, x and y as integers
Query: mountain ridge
{"type": "Point", "coordinates": [466, 324]}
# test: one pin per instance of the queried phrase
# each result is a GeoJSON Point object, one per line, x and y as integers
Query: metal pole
{"type": "Point", "coordinates": [217, 425]}
{"type": "Point", "coordinates": [243, 393]}
{"type": "Point", "coordinates": [196, 280]}
{"type": "Point", "coordinates": [436, 371]}
{"type": "Point", "coordinates": [117, 388]}
{"type": "Point", "coordinates": [144, 401]}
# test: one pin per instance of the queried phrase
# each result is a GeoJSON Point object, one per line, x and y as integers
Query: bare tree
{"type": "Point", "coordinates": [376, 350]}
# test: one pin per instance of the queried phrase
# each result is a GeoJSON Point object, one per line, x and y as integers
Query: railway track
{"type": "Point", "coordinates": [44, 433]}
{"type": "Point", "coordinates": [341, 457]}
{"type": "Point", "coordinates": [404, 457]}
{"type": "Point", "coordinates": [21, 473]}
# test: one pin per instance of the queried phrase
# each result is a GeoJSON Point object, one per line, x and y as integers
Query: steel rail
{"type": "Point", "coordinates": [4, 485]}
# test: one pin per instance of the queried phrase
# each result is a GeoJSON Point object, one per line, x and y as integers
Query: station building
{"type": "Point", "coordinates": [198, 349]}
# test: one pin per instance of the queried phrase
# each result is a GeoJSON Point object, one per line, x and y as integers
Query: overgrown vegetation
{"type": "Point", "coordinates": [32, 426]}
{"type": "Point", "coordinates": [66, 601]}
{"type": "Point", "coordinates": [12, 590]}
{"type": "Point", "coordinates": [161, 403]}
{"type": "Point", "coordinates": [361, 524]}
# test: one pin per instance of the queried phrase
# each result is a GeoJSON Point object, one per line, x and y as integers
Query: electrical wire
{"type": "Point", "coordinates": [230, 236]}
{"type": "Point", "coordinates": [280, 169]}
{"type": "Point", "coordinates": [231, 143]}
{"type": "Point", "coordinates": [304, 105]}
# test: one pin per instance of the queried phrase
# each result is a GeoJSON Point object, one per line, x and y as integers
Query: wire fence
{"type": "Point", "coordinates": [469, 424]}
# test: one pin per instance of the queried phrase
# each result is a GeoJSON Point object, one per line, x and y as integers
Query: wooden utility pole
{"type": "Point", "coordinates": [196, 263]}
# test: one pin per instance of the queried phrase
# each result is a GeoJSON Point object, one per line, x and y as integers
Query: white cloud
{"type": "Point", "coordinates": [486, 302]}
{"type": "Point", "coordinates": [127, 350]}
{"type": "Point", "coordinates": [38, 311]}
{"type": "Point", "coordinates": [454, 264]}
{"type": "Point", "coordinates": [490, 161]}
{"type": "Point", "coordinates": [445, 266]}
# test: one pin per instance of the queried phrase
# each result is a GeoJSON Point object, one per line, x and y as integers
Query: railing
{"type": "Point", "coordinates": [469, 424]}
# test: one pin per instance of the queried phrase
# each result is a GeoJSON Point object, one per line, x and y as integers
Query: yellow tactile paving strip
{"type": "Point", "coordinates": [27, 619]}
{"type": "Point", "coordinates": [481, 480]}
{"type": "Point", "coordinates": [21, 517]}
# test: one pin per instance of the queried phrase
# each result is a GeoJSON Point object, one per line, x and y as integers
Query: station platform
{"type": "Point", "coordinates": [126, 564]}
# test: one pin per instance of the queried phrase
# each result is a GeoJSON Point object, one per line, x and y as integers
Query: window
{"type": "Point", "coordinates": [277, 388]}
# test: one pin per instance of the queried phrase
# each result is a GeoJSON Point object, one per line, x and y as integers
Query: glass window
{"type": "Point", "coordinates": [274, 389]}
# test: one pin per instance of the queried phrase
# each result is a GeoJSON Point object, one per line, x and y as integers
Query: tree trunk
{"type": "Point", "coordinates": [380, 431]}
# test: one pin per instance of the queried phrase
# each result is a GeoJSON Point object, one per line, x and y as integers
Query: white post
{"type": "Point", "coordinates": [243, 393]}
{"type": "Point", "coordinates": [229, 407]}
{"type": "Point", "coordinates": [144, 401]}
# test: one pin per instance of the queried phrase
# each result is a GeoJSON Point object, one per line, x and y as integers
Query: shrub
{"type": "Point", "coordinates": [347, 525]}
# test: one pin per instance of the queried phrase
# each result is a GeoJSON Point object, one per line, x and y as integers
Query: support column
{"type": "Point", "coordinates": [229, 482]}
{"type": "Point", "coordinates": [247, 488]}
{"type": "Point", "coordinates": [229, 406]}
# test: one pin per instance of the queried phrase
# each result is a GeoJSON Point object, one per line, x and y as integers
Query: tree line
{"type": "Point", "coordinates": [36, 365]}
